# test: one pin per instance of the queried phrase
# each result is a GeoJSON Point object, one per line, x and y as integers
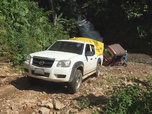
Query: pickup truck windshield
{"type": "Point", "coordinates": [64, 46]}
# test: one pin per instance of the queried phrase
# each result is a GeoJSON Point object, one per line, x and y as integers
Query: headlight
{"type": "Point", "coordinates": [28, 58]}
{"type": "Point", "coordinates": [64, 63]}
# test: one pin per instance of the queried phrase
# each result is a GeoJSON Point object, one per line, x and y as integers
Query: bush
{"type": "Point", "coordinates": [25, 29]}
{"type": "Point", "coordinates": [130, 100]}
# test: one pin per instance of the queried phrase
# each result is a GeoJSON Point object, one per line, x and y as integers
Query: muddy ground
{"type": "Point", "coordinates": [17, 96]}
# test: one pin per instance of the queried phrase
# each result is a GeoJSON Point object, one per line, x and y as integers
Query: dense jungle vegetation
{"type": "Point", "coordinates": [27, 26]}
{"type": "Point", "coordinates": [31, 25]}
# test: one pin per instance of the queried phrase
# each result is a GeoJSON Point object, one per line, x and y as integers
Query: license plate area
{"type": "Point", "coordinates": [39, 71]}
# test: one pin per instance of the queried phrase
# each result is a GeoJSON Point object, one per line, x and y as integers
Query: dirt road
{"type": "Point", "coordinates": [17, 96]}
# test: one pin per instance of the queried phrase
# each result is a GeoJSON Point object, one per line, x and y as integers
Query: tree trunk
{"type": "Point", "coordinates": [54, 15]}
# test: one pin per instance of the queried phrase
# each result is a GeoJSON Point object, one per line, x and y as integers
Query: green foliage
{"type": "Point", "coordinates": [23, 23]}
{"type": "Point", "coordinates": [70, 11]}
{"type": "Point", "coordinates": [25, 28]}
{"type": "Point", "coordinates": [150, 79]}
{"type": "Point", "coordinates": [135, 9]}
{"type": "Point", "coordinates": [130, 100]}
{"type": "Point", "coordinates": [127, 22]}
{"type": "Point", "coordinates": [70, 26]}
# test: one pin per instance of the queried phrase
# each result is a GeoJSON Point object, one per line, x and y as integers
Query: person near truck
{"type": "Point", "coordinates": [125, 58]}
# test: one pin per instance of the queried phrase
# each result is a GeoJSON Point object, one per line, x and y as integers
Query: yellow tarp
{"type": "Point", "coordinates": [99, 45]}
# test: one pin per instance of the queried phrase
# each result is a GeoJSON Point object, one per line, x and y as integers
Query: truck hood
{"type": "Point", "coordinates": [54, 54]}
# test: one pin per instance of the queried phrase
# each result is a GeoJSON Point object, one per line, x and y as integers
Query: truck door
{"type": "Point", "coordinates": [91, 58]}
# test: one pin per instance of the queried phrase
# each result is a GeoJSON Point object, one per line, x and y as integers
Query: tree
{"type": "Point", "coordinates": [125, 21]}
{"type": "Point", "coordinates": [28, 29]}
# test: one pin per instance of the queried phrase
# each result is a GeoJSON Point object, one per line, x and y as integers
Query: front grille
{"type": "Point", "coordinates": [45, 74]}
{"type": "Point", "coordinates": [42, 62]}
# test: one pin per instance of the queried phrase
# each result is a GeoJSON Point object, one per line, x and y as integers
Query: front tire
{"type": "Point", "coordinates": [74, 86]}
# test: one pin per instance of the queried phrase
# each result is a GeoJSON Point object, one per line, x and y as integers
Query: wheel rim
{"type": "Point", "coordinates": [98, 70]}
{"type": "Point", "coordinates": [78, 82]}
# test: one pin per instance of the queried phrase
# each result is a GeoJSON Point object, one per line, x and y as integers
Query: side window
{"type": "Point", "coordinates": [90, 49]}
{"type": "Point", "coordinates": [87, 48]}
{"type": "Point", "coordinates": [93, 49]}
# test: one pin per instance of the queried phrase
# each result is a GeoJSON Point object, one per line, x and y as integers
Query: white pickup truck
{"type": "Point", "coordinates": [67, 61]}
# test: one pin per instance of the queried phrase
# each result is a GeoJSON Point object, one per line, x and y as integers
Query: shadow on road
{"type": "Point", "coordinates": [91, 100]}
{"type": "Point", "coordinates": [23, 83]}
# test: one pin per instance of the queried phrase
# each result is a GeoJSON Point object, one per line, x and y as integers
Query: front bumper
{"type": "Point", "coordinates": [53, 74]}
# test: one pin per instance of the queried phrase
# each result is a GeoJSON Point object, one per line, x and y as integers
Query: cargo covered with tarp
{"type": "Point", "coordinates": [99, 45]}
{"type": "Point", "coordinates": [113, 54]}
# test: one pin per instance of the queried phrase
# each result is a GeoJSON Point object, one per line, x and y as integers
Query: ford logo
{"type": "Point", "coordinates": [41, 62]}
